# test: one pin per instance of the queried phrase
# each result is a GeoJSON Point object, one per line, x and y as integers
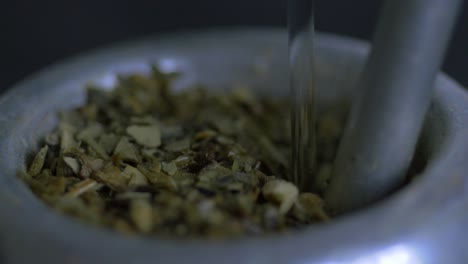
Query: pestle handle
{"type": "Point", "coordinates": [396, 90]}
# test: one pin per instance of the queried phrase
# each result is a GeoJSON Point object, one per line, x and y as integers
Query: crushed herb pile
{"type": "Point", "coordinates": [143, 159]}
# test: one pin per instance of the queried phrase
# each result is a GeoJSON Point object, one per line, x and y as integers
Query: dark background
{"type": "Point", "coordinates": [36, 33]}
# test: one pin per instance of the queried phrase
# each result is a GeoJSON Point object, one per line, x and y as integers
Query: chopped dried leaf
{"type": "Point", "coordinates": [73, 164]}
{"type": "Point", "coordinates": [38, 162]}
{"type": "Point", "coordinates": [141, 213]}
{"type": "Point", "coordinates": [126, 151]}
{"type": "Point", "coordinates": [48, 186]}
{"type": "Point", "coordinates": [82, 187]}
{"type": "Point", "coordinates": [160, 179]}
{"type": "Point", "coordinates": [90, 132]}
{"type": "Point", "coordinates": [213, 172]}
{"type": "Point", "coordinates": [144, 159]}
{"type": "Point", "coordinates": [309, 208]}
{"type": "Point", "coordinates": [67, 140]}
{"type": "Point", "coordinates": [282, 193]}
{"type": "Point", "coordinates": [183, 160]}
{"type": "Point", "coordinates": [147, 136]}
{"type": "Point", "coordinates": [169, 168]}
{"type": "Point", "coordinates": [108, 142]}
{"type": "Point", "coordinates": [136, 177]}
{"type": "Point", "coordinates": [89, 165]}
{"type": "Point", "coordinates": [178, 146]}
{"type": "Point", "coordinates": [111, 176]}
{"type": "Point", "coordinates": [171, 131]}
{"type": "Point", "coordinates": [205, 134]}
{"type": "Point", "coordinates": [98, 149]}
{"type": "Point", "coordinates": [155, 167]}
{"type": "Point", "coordinates": [149, 151]}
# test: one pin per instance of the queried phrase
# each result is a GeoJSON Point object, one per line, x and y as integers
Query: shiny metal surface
{"type": "Point", "coordinates": [423, 223]}
{"type": "Point", "coordinates": [387, 117]}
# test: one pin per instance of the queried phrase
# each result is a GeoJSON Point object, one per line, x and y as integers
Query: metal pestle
{"type": "Point", "coordinates": [397, 83]}
{"type": "Point", "coordinates": [301, 34]}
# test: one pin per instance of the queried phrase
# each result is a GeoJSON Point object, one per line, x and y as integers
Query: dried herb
{"type": "Point", "coordinates": [143, 159]}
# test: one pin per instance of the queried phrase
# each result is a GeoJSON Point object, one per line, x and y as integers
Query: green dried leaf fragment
{"type": "Point", "coordinates": [205, 134]}
{"type": "Point", "coordinates": [73, 164]}
{"type": "Point", "coordinates": [184, 178]}
{"type": "Point", "coordinates": [91, 132]}
{"type": "Point", "coordinates": [281, 193]}
{"type": "Point", "coordinates": [160, 179]}
{"type": "Point", "coordinates": [236, 165]}
{"type": "Point", "coordinates": [155, 167]}
{"type": "Point", "coordinates": [242, 163]}
{"type": "Point", "coordinates": [247, 178]}
{"type": "Point", "coordinates": [223, 124]}
{"type": "Point", "coordinates": [169, 167]}
{"type": "Point", "coordinates": [47, 186]}
{"type": "Point", "coordinates": [112, 177]}
{"type": "Point", "coordinates": [171, 131]}
{"type": "Point", "coordinates": [147, 136]}
{"type": "Point", "coordinates": [82, 187]}
{"type": "Point", "coordinates": [192, 163]}
{"type": "Point", "coordinates": [63, 169]}
{"type": "Point", "coordinates": [183, 160]}
{"type": "Point", "coordinates": [141, 214]}
{"type": "Point", "coordinates": [38, 162]}
{"type": "Point", "coordinates": [150, 152]}
{"type": "Point", "coordinates": [179, 145]}
{"type": "Point", "coordinates": [67, 141]}
{"type": "Point", "coordinates": [309, 207]}
{"type": "Point", "coordinates": [213, 172]}
{"type": "Point", "coordinates": [54, 184]}
{"type": "Point", "coordinates": [96, 148]}
{"type": "Point", "coordinates": [136, 177]}
{"type": "Point", "coordinates": [89, 165]}
{"type": "Point", "coordinates": [126, 150]}
{"type": "Point", "coordinates": [108, 142]}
